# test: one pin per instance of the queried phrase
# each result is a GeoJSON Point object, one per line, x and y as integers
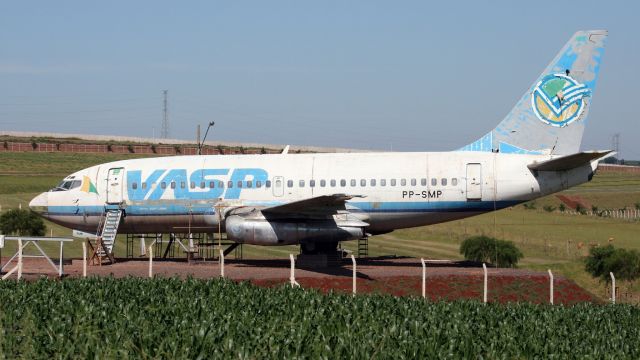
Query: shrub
{"type": "Point", "coordinates": [178, 149]}
{"type": "Point", "coordinates": [580, 209]}
{"type": "Point", "coordinates": [263, 150]}
{"type": "Point", "coordinates": [623, 263]}
{"type": "Point", "coordinates": [549, 208]}
{"type": "Point", "coordinates": [220, 149]}
{"type": "Point", "coordinates": [153, 148]}
{"type": "Point", "coordinates": [22, 222]}
{"type": "Point", "coordinates": [6, 146]}
{"type": "Point", "coordinates": [531, 205]}
{"type": "Point", "coordinates": [34, 145]}
{"type": "Point", "coordinates": [110, 147]}
{"type": "Point", "coordinates": [562, 207]}
{"type": "Point", "coordinates": [241, 150]}
{"type": "Point", "coordinates": [637, 204]}
{"type": "Point", "coordinates": [130, 148]}
{"type": "Point", "coordinates": [486, 249]}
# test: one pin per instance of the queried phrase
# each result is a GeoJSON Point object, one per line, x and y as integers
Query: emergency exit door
{"type": "Point", "coordinates": [474, 182]}
{"type": "Point", "coordinates": [278, 186]}
{"type": "Point", "coordinates": [114, 185]}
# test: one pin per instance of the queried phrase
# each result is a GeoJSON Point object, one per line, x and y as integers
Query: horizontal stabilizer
{"type": "Point", "coordinates": [569, 162]}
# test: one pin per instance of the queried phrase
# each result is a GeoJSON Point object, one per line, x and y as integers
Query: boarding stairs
{"type": "Point", "coordinates": [107, 238]}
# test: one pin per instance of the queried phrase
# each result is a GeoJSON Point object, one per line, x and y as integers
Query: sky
{"type": "Point", "coordinates": [380, 75]}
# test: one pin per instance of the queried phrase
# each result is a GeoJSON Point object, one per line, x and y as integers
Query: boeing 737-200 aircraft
{"type": "Point", "coordinates": [318, 200]}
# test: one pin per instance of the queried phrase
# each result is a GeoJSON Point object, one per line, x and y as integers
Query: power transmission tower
{"type": "Point", "coordinates": [615, 145]}
{"type": "Point", "coordinates": [165, 116]}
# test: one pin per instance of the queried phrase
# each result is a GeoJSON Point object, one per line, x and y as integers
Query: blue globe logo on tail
{"type": "Point", "coordinates": [557, 99]}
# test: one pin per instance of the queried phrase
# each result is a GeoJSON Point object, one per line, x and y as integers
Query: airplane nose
{"type": "Point", "coordinates": [40, 203]}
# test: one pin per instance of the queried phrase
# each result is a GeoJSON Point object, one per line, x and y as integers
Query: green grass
{"type": "Point", "coordinates": [548, 240]}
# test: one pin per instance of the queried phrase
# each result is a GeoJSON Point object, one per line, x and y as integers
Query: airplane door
{"type": "Point", "coordinates": [114, 185]}
{"type": "Point", "coordinates": [278, 186]}
{"type": "Point", "coordinates": [474, 182]}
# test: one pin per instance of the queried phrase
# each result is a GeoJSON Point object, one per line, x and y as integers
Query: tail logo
{"type": "Point", "coordinates": [557, 99]}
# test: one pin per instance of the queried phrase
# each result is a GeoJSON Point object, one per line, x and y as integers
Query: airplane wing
{"type": "Point", "coordinates": [323, 206]}
{"type": "Point", "coordinates": [569, 162]}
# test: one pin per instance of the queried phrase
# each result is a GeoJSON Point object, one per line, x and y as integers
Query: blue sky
{"type": "Point", "coordinates": [363, 74]}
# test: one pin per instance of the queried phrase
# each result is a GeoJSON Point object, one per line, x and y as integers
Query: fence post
{"type": "Point", "coordinates": [84, 259]}
{"type": "Point", "coordinates": [292, 277]}
{"type": "Point", "coordinates": [353, 261]}
{"type": "Point", "coordinates": [221, 263]}
{"type": "Point", "coordinates": [484, 297]}
{"type": "Point", "coordinates": [613, 288]}
{"type": "Point", "coordinates": [151, 261]}
{"type": "Point", "coordinates": [424, 279]}
{"type": "Point", "coordinates": [60, 265]}
{"type": "Point", "coordinates": [550, 286]}
{"type": "Point", "coordinates": [19, 258]}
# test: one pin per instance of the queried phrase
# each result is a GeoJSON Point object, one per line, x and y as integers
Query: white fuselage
{"type": "Point", "coordinates": [186, 194]}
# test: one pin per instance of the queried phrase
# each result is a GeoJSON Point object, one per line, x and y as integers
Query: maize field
{"type": "Point", "coordinates": [104, 318]}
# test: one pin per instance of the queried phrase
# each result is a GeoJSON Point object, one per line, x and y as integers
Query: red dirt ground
{"type": "Point", "coordinates": [396, 276]}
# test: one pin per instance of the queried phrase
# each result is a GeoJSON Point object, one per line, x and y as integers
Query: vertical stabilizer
{"type": "Point", "coordinates": [551, 116]}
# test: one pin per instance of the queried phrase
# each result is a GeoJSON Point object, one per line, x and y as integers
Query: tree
{"type": "Point", "coordinates": [486, 249]}
{"type": "Point", "coordinates": [623, 263]}
{"type": "Point", "coordinates": [22, 222]}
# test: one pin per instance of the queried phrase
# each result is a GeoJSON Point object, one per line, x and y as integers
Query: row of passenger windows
{"type": "Point", "coordinates": [301, 183]}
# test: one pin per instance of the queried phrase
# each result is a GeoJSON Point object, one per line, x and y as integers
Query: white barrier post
{"type": "Point", "coordinates": [424, 279]}
{"type": "Point", "coordinates": [84, 259]}
{"type": "Point", "coordinates": [151, 261]}
{"type": "Point", "coordinates": [60, 265]}
{"type": "Point", "coordinates": [613, 288]}
{"type": "Point", "coordinates": [550, 286]}
{"type": "Point", "coordinates": [292, 277]}
{"type": "Point", "coordinates": [484, 297]}
{"type": "Point", "coordinates": [221, 263]}
{"type": "Point", "coordinates": [353, 261]}
{"type": "Point", "coordinates": [19, 258]}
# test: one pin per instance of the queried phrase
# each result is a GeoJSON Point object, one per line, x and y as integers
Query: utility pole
{"type": "Point", "coordinates": [165, 116]}
{"type": "Point", "coordinates": [615, 145]}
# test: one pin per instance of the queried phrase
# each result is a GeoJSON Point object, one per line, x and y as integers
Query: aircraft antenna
{"type": "Point", "coordinates": [165, 116]}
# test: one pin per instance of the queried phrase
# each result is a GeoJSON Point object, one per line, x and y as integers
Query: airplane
{"type": "Point", "coordinates": [317, 200]}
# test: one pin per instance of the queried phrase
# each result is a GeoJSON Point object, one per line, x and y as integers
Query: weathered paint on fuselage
{"type": "Point", "coordinates": [154, 199]}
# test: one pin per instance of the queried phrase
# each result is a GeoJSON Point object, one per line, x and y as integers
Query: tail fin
{"type": "Point", "coordinates": [551, 116]}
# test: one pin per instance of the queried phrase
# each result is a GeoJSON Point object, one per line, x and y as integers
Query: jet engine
{"type": "Point", "coordinates": [254, 228]}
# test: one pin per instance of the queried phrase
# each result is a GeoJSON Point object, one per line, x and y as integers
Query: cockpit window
{"type": "Point", "coordinates": [66, 185]}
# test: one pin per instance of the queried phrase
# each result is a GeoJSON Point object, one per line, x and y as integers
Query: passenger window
{"type": "Point", "coordinates": [363, 182]}
{"type": "Point", "coordinates": [373, 182]}
{"type": "Point", "coordinates": [163, 185]}
{"type": "Point", "coordinates": [290, 183]}
{"type": "Point", "coordinates": [454, 182]}
{"type": "Point", "coordinates": [229, 184]}
{"type": "Point", "coordinates": [301, 183]}
{"type": "Point", "coordinates": [221, 184]}
{"type": "Point", "coordinates": [249, 184]}
{"type": "Point", "coordinates": [443, 181]}
{"type": "Point", "coordinates": [383, 182]}
{"type": "Point", "coordinates": [353, 182]}
{"type": "Point", "coordinates": [134, 185]}
{"type": "Point", "coordinates": [393, 182]}
{"type": "Point", "coordinates": [423, 182]}
{"type": "Point", "coordinates": [172, 184]}
{"type": "Point", "coordinates": [144, 185]}
{"type": "Point", "coordinates": [212, 184]}
{"type": "Point", "coordinates": [258, 183]}
{"type": "Point", "coordinates": [193, 184]}
{"type": "Point", "coordinates": [202, 185]}
{"type": "Point", "coordinates": [413, 182]}
{"type": "Point", "coordinates": [333, 183]}
{"type": "Point", "coordinates": [403, 182]}
{"type": "Point", "coordinates": [239, 184]}
{"type": "Point", "coordinates": [343, 182]}
{"type": "Point", "coordinates": [267, 183]}
{"type": "Point", "coordinates": [434, 182]}
{"type": "Point", "coordinates": [182, 185]}
{"type": "Point", "coordinates": [323, 183]}
{"type": "Point", "coordinates": [312, 183]}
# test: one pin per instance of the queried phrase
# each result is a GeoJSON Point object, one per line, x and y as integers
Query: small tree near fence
{"type": "Point", "coordinates": [21, 222]}
{"type": "Point", "coordinates": [623, 263]}
{"type": "Point", "coordinates": [487, 249]}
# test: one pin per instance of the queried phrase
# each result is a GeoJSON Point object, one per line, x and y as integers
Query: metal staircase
{"type": "Point", "coordinates": [109, 231]}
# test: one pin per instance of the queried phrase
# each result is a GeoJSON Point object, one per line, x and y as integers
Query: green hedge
{"type": "Point", "coordinates": [171, 318]}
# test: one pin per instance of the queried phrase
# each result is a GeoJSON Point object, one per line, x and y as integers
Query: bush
{"type": "Point", "coordinates": [549, 208]}
{"type": "Point", "coordinates": [637, 206]}
{"type": "Point", "coordinates": [153, 148]}
{"type": "Point", "coordinates": [580, 209]}
{"type": "Point", "coordinates": [130, 148]}
{"type": "Point", "coordinates": [562, 207]}
{"type": "Point", "coordinates": [530, 205]}
{"type": "Point", "coordinates": [22, 222]}
{"type": "Point", "coordinates": [623, 263]}
{"type": "Point", "coordinates": [486, 249]}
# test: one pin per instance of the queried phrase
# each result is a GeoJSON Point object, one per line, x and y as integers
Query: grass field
{"type": "Point", "coordinates": [548, 240]}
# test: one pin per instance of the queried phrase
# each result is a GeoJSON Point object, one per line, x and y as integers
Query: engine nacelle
{"type": "Point", "coordinates": [257, 230]}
